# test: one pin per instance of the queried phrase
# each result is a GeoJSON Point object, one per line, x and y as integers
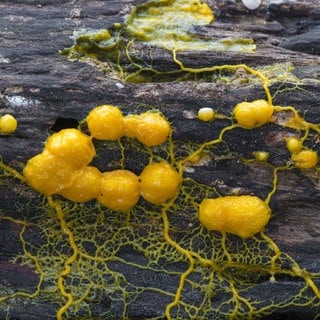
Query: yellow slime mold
{"type": "Point", "coordinates": [8, 124]}
{"type": "Point", "coordinates": [119, 190]}
{"type": "Point", "coordinates": [243, 216]}
{"type": "Point", "coordinates": [159, 182]}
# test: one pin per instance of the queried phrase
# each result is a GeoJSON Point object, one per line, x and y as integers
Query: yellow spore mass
{"type": "Point", "coordinates": [85, 185]}
{"type": "Point", "coordinates": [105, 122]}
{"type": "Point", "coordinates": [305, 159]}
{"type": "Point", "coordinates": [159, 182]}
{"type": "Point", "coordinates": [150, 128]}
{"type": "Point", "coordinates": [251, 114]}
{"type": "Point", "coordinates": [243, 215]}
{"type": "Point", "coordinates": [48, 174]}
{"type": "Point", "coordinates": [8, 124]}
{"type": "Point", "coordinates": [71, 146]}
{"type": "Point", "coordinates": [119, 190]}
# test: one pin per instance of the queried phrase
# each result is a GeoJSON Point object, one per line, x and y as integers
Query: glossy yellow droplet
{"type": "Point", "coordinates": [105, 122]}
{"type": "Point", "coordinates": [206, 114]}
{"type": "Point", "coordinates": [159, 182]}
{"type": "Point", "coordinates": [47, 173]}
{"type": "Point", "coordinates": [251, 114]}
{"type": "Point", "coordinates": [150, 128]}
{"type": "Point", "coordinates": [8, 124]}
{"type": "Point", "coordinates": [261, 156]}
{"type": "Point", "coordinates": [305, 159]}
{"type": "Point", "coordinates": [85, 185]}
{"type": "Point", "coordinates": [243, 216]}
{"type": "Point", "coordinates": [119, 190]}
{"type": "Point", "coordinates": [294, 145]}
{"type": "Point", "coordinates": [73, 146]}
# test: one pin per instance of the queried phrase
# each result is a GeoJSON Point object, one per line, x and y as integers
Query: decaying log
{"type": "Point", "coordinates": [44, 90]}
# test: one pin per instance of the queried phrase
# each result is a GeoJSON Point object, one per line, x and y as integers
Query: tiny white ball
{"type": "Point", "coordinates": [206, 114]}
{"type": "Point", "coordinates": [251, 4]}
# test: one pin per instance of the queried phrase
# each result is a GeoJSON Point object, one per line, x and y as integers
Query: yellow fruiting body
{"type": "Point", "coordinates": [206, 114]}
{"type": "Point", "coordinates": [150, 128]}
{"type": "Point", "coordinates": [85, 185]}
{"type": "Point", "coordinates": [119, 190]}
{"type": "Point", "coordinates": [243, 215]}
{"type": "Point", "coordinates": [8, 124]}
{"type": "Point", "coordinates": [251, 114]}
{"type": "Point", "coordinates": [159, 182]}
{"type": "Point", "coordinates": [305, 159]}
{"type": "Point", "coordinates": [73, 146]}
{"type": "Point", "coordinates": [294, 145]}
{"type": "Point", "coordinates": [261, 156]}
{"type": "Point", "coordinates": [47, 173]}
{"type": "Point", "coordinates": [105, 122]}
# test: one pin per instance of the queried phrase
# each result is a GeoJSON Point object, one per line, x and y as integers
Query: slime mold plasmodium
{"type": "Point", "coordinates": [243, 215]}
{"type": "Point", "coordinates": [160, 183]}
{"type": "Point", "coordinates": [251, 114]}
{"type": "Point", "coordinates": [81, 259]}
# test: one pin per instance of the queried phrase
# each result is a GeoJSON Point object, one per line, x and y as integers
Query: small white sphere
{"type": "Point", "coordinates": [206, 114]}
{"type": "Point", "coordinates": [251, 4]}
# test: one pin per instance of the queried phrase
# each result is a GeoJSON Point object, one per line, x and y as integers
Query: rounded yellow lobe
{"type": "Point", "coordinates": [119, 190]}
{"type": "Point", "coordinates": [305, 159]}
{"type": "Point", "coordinates": [243, 216]}
{"type": "Point", "coordinates": [105, 122]}
{"type": "Point", "coordinates": [73, 146]}
{"type": "Point", "coordinates": [85, 185]}
{"type": "Point", "coordinates": [159, 182]}
{"type": "Point", "coordinates": [261, 156]}
{"type": "Point", "coordinates": [251, 114]}
{"type": "Point", "coordinates": [294, 145]}
{"type": "Point", "coordinates": [150, 128]}
{"type": "Point", "coordinates": [47, 173]}
{"type": "Point", "coordinates": [206, 114]}
{"type": "Point", "coordinates": [8, 124]}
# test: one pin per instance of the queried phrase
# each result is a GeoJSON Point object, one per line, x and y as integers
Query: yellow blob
{"type": "Point", "coordinates": [150, 128]}
{"type": "Point", "coordinates": [85, 185]}
{"type": "Point", "coordinates": [251, 114]}
{"type": "Point", "coordinates": [105, 122]}
{"type": "Point", "coordinates": [294, 145]}
{"type": "Point", "coordinates": [72, 146]}
{"type": "Point", "coordinates": [8, 124]}
{"type": "Point", "coordinates": [48, 174]}
{"type": "Point", "coordinates": [305, 159]}
{"type": "Point", "coordinates": [261, 156]}
{"type": "Point", "coordinates": [243, 216]}
{"type": "Point", "coordinates": [206, 114]}
{"type": "Point", "coordinates": [119, 190]}
{"type": "Point", "coordinates": [159, 182]}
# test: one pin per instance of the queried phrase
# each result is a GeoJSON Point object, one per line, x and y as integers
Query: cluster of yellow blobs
{"type": "Point", "coordinates": [302, 157]}
{"type": "Point", "coordinates": [256, 113]}
{"type": "Point", "coordinates": [252, 114]}
{"type": "Point", "coordinates": [63, 165]}
{"type": "Point", "coordinates": [246, 215]}
{"type": "Point", "coordinates": [8, 124]}
{"type": "Point", "coordinates": [106, 122]}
